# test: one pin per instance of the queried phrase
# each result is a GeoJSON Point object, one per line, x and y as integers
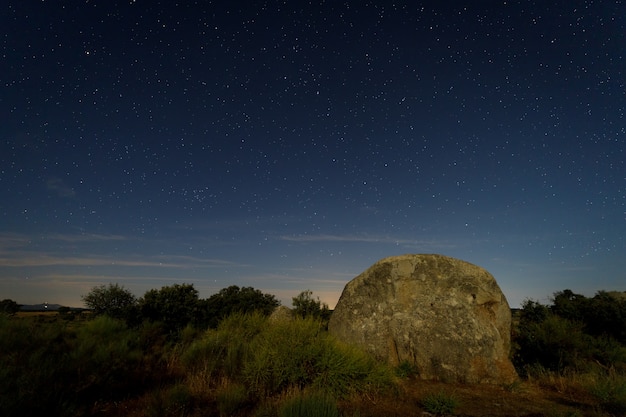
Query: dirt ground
{"type": "Point", "coordinates": [522, 399]}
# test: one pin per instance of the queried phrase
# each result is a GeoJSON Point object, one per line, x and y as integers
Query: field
{"type": "Point", "coordinates": [99, 367]}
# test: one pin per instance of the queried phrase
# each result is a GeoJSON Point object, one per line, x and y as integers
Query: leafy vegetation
{"type": "Point", "coordinates": [301, 354]}
{"type": "Point", "coordinates": [177, 306]}
{"type": "Point", "coordinates": [160, 355]}
{"type": "Point", "coordinates": [271, 359]}
{"type": "Point", "coordinates": [577, 344]}
{"type": "Point", "coordinates": [54, 369]}
{"type": "Point", "coordinates": [304, 305]}
{"type": "Point", "coordinates": [237, 300]}
{"type": "Point", "coordinates": [575, 332]}
{"type": "Point", "coordinates": [174, 306]}
{"type": "Point", "coordinates": [113, 300]}
{"type": "Point", "coordinates": [9, 307]}
{"type": "Point", "coordinates": [309, 405]}
{"type": "Point", "coordinates": [440, 403]}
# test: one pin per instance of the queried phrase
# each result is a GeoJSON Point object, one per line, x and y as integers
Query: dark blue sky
{"type": "Point", "coordinates": [288, 146]}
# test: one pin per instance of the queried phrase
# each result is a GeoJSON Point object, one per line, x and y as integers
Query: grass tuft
{"type": "Point", "coordinates": [231, 398]}
{"type": "Point", "coordinates": [610, 392]}
{"type": "Point", "coordinates": [309, 405]}
{"type": "Point", "coordinates": [440, 403]}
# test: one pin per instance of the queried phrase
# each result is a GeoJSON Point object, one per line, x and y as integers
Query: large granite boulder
{"type": "Point", "coordinates": [445, 316]}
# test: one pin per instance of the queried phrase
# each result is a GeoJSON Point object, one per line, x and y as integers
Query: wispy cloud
{"type": "Point", "coordinates": [409, 243]}
{"type": "Point", "coordinates": [15, 240]}
{"type": "Point", "coordinates": [30, 259]}
{"type": "Point", "coordinates": [86, 237]}
{"type": "Point", "coordinates": [10, 241]}
{"type": "Point", "coordinates": [94, 250]}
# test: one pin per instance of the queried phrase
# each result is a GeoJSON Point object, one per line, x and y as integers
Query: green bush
{"type": "Point", "coordinates": [344, 369]}
{"type": "Point", "coordinates": [575, 333]}
{"type": "Point", "coordinates": [610, 391]}
{"type": "Point", "coordinates": [440, 403]}
{"type": "Point", "coordinates": [205, 356]}
{"type": "Point", "coordinates": [223, 351]}
{"type": "Point", "coordinates": [8, 306]}
{"type": "Point", "coordinates": [231, 399]}
{"type": "Point", "coordinates": [55, 368]}
{"type": "Point", "coordinates": [232, 300]}
{"type": "Point", "coordinates": [238, 330]}
{"type": "Point", "coordinates": [283, 356]}
{"type": "Point", "coordinates": [309, 405]}
{"type": "Point", "coordinates": [304, 305]}
{"type": "Point", "coordinates": [113, 300]}
{"type": "Point", "coordinates": [406, 369]}
{"type": "Point", "coordinates": [172, 401]}
{"type": "Point", "coordinates": [106, 358]}
{"type": "Point", "coordinates": [36, 374]}
{"type": "Point", "coordinates": [272, 358]}
{"type": "Point", "coordinates": [175, 306]}
{"type": "Point", "coordinates": [301, 354]}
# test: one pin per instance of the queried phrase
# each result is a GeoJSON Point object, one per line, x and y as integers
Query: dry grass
{"type": "Point", "coordinates": [29, 314]}
{"type": "Point", "coordinates": [201, 391]}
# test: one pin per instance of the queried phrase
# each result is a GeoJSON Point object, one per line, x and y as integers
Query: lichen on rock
{"type": "Point", "coordinates": [445, 316]}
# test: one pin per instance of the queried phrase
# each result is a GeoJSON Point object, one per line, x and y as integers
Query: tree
{"type": "Point", "coordinates": [304, 305]}
{"type": "Point", "coordinates": [569, 305]}
{"type": "Point", "coordinates": [602, 315]}
{"type": "Point", "coordinates": [606, 316]}
{"type": "Point", "coordinates": [175, 306]}
{"type": "Point", "coordinates": [113, 300]}
{"type": "Point", "coordinates": [9, 307]}
{"type": "Point", "coordinates": [555, 343]}
{"type": "Point", "coordinates": [234, 299]}
{"type": "Point", "coordinates": [574, 332]}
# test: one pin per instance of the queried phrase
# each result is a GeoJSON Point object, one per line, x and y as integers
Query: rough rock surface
{"type": "Point", "coordinates": [445, 316]}
{"type": "Point", "coordinates": [281, 314]}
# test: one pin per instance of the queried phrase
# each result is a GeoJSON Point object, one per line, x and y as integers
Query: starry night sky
{"type": "Point", "coordinates": [289, 145]}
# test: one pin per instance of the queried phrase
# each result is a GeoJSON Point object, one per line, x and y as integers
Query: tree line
{"type": "Point", "coordinates": [179, 305]}
{"type": "Point", "coordinates": [574, 332]}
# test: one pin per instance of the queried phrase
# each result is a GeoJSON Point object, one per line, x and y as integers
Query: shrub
{"type": "Point", "coordinates": [304, 305]}
{"type": "Point", "coordinates": [9, 306]}
{"type": "Point", "coordinates": [36, 375]}
{"type": "Point", "coordinates": [574, 333]}
{"type": "Point", "coordinates": [236, 300]}
{"type": "Point", "coordinates": [440, 403]}
{"type": "Point", "coordinates": [204, 357]}
{"type": "Point", "coordinates": [283, 356]}
{"type": "Point", "coordinates": [113, 300]}
{"type": "Point", "coordinates": [551, 341]}
{"type": "Point", "coordinates": [611, 393]}
{"type": "Point", "coordinates": [301, 354]}
{"type": "Point", "coordinates": [223, 351]}
{"type": "Point", "coordinates": [343, 369]}
{"type": "Point", "coordinates": [173, 401]}
{"type": "Point", "coordinates": [231, 399]}
{"type": "Point", "coordinates": [105, 355]}
{"type": "Point", "coordinates": [309, 405]}
{"type": "Point", "coordinates": [607, 315]}
{"type": "Point", "coordinates": [175, 306]}
{"type": "Point", "coordinates": [406, 369]}
{"type": "Point", "coordinates": [270, 359]}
